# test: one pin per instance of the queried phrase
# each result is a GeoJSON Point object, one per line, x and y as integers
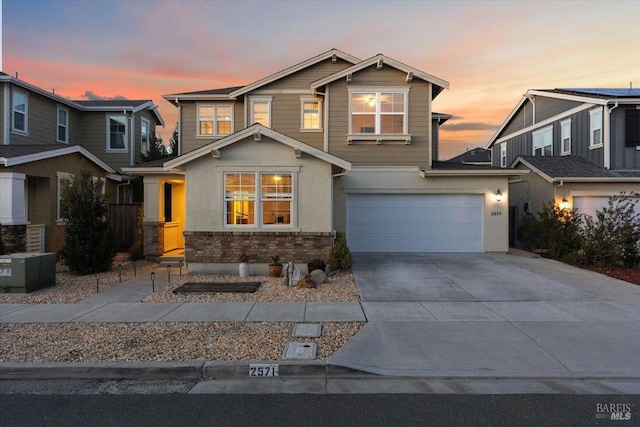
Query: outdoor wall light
{"type": "Point", "coordinates": [564, 204]}
{"type": "Point", "coordinates": [499, 196]}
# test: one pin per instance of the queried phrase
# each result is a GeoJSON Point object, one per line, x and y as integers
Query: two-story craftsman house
{"type": "Point", "coordinates": [45, 140]}
{"type": "Point", "coordinates": [580, 145]}
{"type": "Point", "coordinates": [333, 143]}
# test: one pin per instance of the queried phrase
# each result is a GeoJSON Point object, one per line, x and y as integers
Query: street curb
{"type": "Point", "coordinates": [174, 370]}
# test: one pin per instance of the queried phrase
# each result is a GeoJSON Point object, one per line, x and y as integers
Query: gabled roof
{"type": "Point", "coordinates": [572, 168]}
{"type": "Point", "coordinates": [256, 131]}
{"type": "Point", "coordinates": [89, 105]}
{"type": "Point", "coordinates": [14, 155]}
{"type": "Point", "coordinates": [330, 54]}
{"type": "Point", "coordinates": [476, 155]}
{"type": "Point", "coordinates": [381, 60]}
{"type": "Point", "coordinates": [213, 94]}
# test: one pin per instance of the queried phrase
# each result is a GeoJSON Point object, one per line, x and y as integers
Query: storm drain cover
{"type": "Point", "coordinates": [300, 350]}
{"type": "Point", "coordinates": [312, 330]}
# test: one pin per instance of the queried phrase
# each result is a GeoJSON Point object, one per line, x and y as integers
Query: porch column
{"type": "Point", "coordinates": [13, 212]}
{"type": "Point", "coordinates": [153, 221]}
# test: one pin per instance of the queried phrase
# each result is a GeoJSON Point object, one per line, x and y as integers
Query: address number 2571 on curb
{"type": "Point", "coordinates": [263, 370]}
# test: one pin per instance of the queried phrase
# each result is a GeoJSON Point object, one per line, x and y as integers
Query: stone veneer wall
{"type": "Point", "coordinates": [226, 247]}
{"type": "Point", "coordinates": [14, 238]}
{"type": "Point", "coordinates": [153, 239]}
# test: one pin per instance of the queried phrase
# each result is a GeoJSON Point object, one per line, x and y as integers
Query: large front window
{"type": "Point", "coordinates": [258, 199]}
{"type": "Point", "coordinates": [116, 132]}
{"type": "Point", "coordinates": [378, 112]}
{"type": "Point", "coordinates": [19, 122]}
{"type": "Point", "coordinates": [214, 120]}
{"type": "Point", "coordinates": [543, 142]}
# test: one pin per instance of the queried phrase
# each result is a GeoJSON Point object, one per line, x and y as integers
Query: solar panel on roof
{"type": "Point", "coordinates": [612, 92]}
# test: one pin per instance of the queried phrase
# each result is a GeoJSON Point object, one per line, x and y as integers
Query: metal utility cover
{"type": "Point", "coordinates": [312, 330]}
{"type": "Point", "coordinates": [300, 350]}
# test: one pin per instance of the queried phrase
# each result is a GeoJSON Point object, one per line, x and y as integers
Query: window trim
{"type": "Point", "coordinates": [378, 90]}
{"type": "Point", "coordinates": [503, 154]}
{"type": "Point", "coordinates": [214, 106]}
{"type": "Point", "coordinates": [592, 113]}
{"type": "Point", "coordinates": [24, 131]}
{"type": "Point", "coordinates": [145, 145]}
{"type": "Point", "coordinates": [538, 132]}
{"type": "Point", "coordinates": [260, 100]}
{"type": "Point", "coordinates": [307, 99]}
{"type": "Point", "coordinates": [61, 176]}
{"type": "Point", "coordinates": [563, 123]}
{"type": "Point", "coordinates": [126, 134]}
{"type": "Point", "coordinates": [258, 224]}
{"type": "Point", "coordinates": [65, 125]}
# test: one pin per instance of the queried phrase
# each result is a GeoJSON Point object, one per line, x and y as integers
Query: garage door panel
{"type": "Point", "coordinates": [414, 223]}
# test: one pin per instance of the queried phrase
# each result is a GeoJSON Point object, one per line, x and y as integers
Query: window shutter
{"type": "Point", "coordinates": [632, 128]}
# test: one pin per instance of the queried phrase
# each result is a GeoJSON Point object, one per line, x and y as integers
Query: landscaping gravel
{"type": "Point", "coordinates": [166, 341]}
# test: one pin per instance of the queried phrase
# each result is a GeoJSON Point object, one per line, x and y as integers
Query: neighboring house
{"type": "Point", "coordinates": [45, 140]}
{"type": "Point", "coordinates": [333, 143]}
{"type": "Point", "coordinates": [580, 145]}
{"type": "Point", "coordinates": [477, 156]}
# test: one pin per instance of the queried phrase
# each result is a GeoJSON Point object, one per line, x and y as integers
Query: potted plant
{"type": "Point", "coordinates": [244, 265]}
{"type": "Point", "coordinates": [275, 267]}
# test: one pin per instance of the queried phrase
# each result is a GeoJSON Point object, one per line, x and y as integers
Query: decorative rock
{"type": "Point", "coordinates": [317, 276]}
{"type": "Point", "coordinates": [291, 274]}
{"type": "Point", "coordinates": [305, 283]}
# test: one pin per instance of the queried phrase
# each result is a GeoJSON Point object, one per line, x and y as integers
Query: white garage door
{"type": "Point", "coordinates": [414, 223]}
{"type": "Point", "coordinates": [589, 205]}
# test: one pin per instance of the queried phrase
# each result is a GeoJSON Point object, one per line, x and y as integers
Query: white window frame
{"type": "Point", "coordinates": [216, 131]}
{"type": "Point", "coordinates": [145, 137]}
{"type": "Point", "coordinates": [565, 125]}
{"type": "Point", "coordinates": [260, 100]}
{"type": "Point", "coordinates": [503, 155]}
{"type": "Point", "coordinates": [548, 129]}
{"type": "Point", "coordinates": [126, 133]}
{"type": "Point", "coordinates": [64, 125]}
{"type": "Point", "coordinates": [307, 99]}
{"type": "Point", "coordinates": [259, 200]}
{"type": "Point", "coordinates": [25, 113]}
{"type": "Point", "coordinates": [378, 113]}
{"type": "Point", "coordinates": [62, 177]}
{"type": "Point", "coordinates": [594, 125]}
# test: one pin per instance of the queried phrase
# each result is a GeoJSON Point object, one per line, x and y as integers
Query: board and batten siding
{"type": "Point", "coordinates": [522, 119]}
{"type": "Point", "coordinates": [389, 153]}
{"type": "Point", "coordinates": [622, 157]}
{"type": "Point", "coordinates": [549, 107]}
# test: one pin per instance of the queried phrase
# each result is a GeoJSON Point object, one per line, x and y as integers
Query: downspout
{"type": "Point", "coordinates": [607, 135]}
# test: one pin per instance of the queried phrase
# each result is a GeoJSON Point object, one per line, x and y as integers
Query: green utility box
{"type": "Point", "coordinates": [27, 272]}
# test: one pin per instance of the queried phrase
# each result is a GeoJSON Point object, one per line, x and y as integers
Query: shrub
{"type": "Point", "coordinates": [555, 229]}
{"type": "Point", "coordinates": [316, 264]}
{"type": "Point", "coordinates": [340, 257]}
{"type": "Point", "coordinates": [612, 236]}
{"type": "Point", "coordinates": [89, 246]}
{"type": "Point", "coordinates": [136, 251]}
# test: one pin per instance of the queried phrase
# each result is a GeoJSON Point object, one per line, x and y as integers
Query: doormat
{"type": "Point", "coordinates": [249, 287]}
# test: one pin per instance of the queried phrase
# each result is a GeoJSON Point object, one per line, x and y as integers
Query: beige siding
{"type": "Point", "coordinates": [93, 137]}
{"type": "Point", "coordinates": [41, 120]}
{"type": "Point", "coordinates": [303, 78]}
{"type": "Point", "coordinates": [189, 139]}
{"type": "Point", "coordinates": [417, 153]}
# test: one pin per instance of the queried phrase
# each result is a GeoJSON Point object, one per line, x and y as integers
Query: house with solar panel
{"type": "Point", "coordinates": [581, 146]}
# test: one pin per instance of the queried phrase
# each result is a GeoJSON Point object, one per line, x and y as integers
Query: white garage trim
{"type": "Point", "coordinates": [415, 222]}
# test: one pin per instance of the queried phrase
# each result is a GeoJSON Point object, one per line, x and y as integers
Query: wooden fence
{"type": "Point", "coordinates": [123, 220]}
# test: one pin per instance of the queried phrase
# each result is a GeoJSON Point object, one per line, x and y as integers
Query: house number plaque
{"type": "Point", "coordinates": [263, 370]}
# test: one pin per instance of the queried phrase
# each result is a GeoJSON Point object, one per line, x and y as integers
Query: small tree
{"type": "Point", "coordinates": [613, 234]}
{"type": "Point", "coordinates": [136, 251]}
{"type": "Point", "coordinates": [555, 229]}
{"type": "Point", "coordinates": [157, 150]}
{"type": "Point", "coordinates": [172, 149]}
{"type": "Point", "coordinates": [340, 257]}
{"type": "Point", "coordinates": [89, 247]}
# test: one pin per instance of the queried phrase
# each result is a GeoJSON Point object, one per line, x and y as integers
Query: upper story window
{"type": "Point", "coordinates": [215, 119]}
{"type": "Point", "coordinates": [145, 126]}
{"type": "Point", "coordinates": [565, 137]}
{"type": "Point", "coordinates": [595, 119]}
{"type": "Point", "coordinates": [262, 199]}
{"type": "Point", "coordinates": [503, 155]}
{"type": "Point", "coordinates": [543, 142]}
{"type": "Point", "coordinates": [20, 108]}
{"type": "Point", "coordinates": [117, 133]}
{"type": "Point", "coordinates": [63, 125]}
{"type": "Point", "coordinates": [378, 111]}
{"type": "Point", "coordinates": [261, 111]}
{"type": "Point", "coordinates": [310, 113]}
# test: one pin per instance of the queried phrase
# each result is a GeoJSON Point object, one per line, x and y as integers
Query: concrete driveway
{"type": "Point", "coordinates": [493, 315]}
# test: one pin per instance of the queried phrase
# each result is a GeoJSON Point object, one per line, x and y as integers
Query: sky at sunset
{"type": "Point", "coordinates": [490, 52]}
